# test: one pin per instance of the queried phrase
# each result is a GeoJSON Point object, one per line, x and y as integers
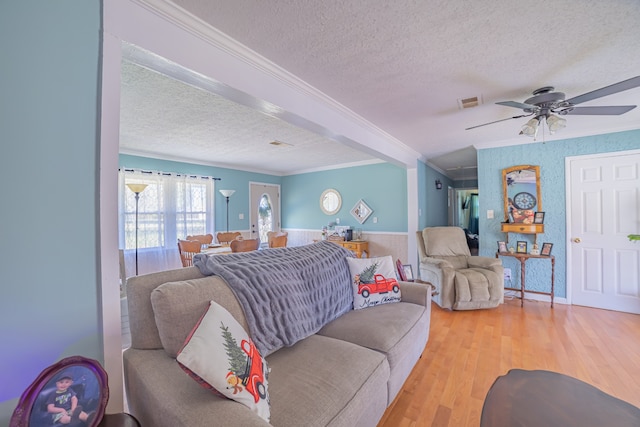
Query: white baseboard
{"type": "Point", "coordinates": [535, 297]}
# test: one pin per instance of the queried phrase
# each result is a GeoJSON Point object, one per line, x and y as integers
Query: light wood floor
{"type": "Point", "coordinates": [467, 351]}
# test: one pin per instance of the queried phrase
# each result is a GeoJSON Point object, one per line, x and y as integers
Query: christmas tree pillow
{"type": "Point", "coordinates": [374, 281]}
{"type": "Point", "coordinates": [221, 357]}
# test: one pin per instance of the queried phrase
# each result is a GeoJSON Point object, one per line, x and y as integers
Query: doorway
{"type": "Point", "coordinates": [464, 213]}
{"type": "Point", "coordinates": [264, 210]}
{"type": "Point", "coordinates": [603, 200]}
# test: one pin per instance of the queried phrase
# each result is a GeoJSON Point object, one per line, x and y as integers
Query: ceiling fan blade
{"type": "Point", "coordinates": [497, 121]}
{"type": "Point", "coordinates": [605, 91]}
{"type": "Point", "coordinates": [598, 111]}
{"type": "Point", "coordinates": [519, 105]}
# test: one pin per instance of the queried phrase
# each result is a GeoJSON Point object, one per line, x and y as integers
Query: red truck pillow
{"type": "Point", "coordinates": [220, 356]}
{"type": "Point", "coordinates": [374, 281]}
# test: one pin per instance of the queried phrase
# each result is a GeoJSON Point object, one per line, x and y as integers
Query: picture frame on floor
{"type": "Point", "coordinates": [521, 247]}
{"type": "Point", "coordinates": [546, 249]}
{"type": "Point", "coordinates": [73, 391]}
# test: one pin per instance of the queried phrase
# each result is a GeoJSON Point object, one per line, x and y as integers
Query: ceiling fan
{"type": "Point", "coordinates": [547, 105]}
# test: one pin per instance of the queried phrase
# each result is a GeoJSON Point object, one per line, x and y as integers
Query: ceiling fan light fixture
{"type": "Point", "coordinates": [555, 123]}
{"type": "Point", "coordinates": [530, 128]}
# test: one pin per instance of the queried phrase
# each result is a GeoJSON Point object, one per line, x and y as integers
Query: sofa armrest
{"type": "Point", "coordinates": [416, 293]}
{"type": "Point", "coordinates": [483, 262]}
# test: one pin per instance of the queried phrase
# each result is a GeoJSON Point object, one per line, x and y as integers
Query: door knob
{"type": "Point", "coordinates": [577, 240]}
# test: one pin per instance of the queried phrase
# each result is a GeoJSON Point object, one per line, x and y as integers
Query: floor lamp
{"type": "Point", "coordinates": [227, 194]}
{"type": "Point", "coordinates": [137, 189]}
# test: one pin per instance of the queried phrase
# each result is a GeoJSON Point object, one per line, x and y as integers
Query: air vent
{"type": "Point", "coordinates": [280, 144]}
{"type": "Point", "coordinates": [474, 101]}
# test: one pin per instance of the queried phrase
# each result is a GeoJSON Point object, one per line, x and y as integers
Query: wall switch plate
{"type": "Point", "coordinates": [337, 220]}
{"type": "Point", "coordinates": [490, 214]}
{"type": "Point", "coordinates": [375, 219]}
{"type": "Point", "coordinates": [241, 216]}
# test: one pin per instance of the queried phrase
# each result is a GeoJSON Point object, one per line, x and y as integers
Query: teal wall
{"type": "Point", "coordinates": [231, 179]}
{"type": "Point", "coordinates": [49, 115]}
{"type": "Point", "coordinates": [382, 186]}
{"type": "Point", "coordinates": [550, 156]}
{"type": "Point", "coordinates": [432, 203]}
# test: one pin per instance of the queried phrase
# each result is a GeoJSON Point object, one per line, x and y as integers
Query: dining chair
{"type": "Point", "coordinates": [245, 245]}
{"type": "Point", "coordinates": [228, 237]}
{"type": "Point", "coordinates": [277, 239]}
{"type": "Point", "coordinates": [187, 249]}
{"type": "Point", "coordinates": [204, 239]}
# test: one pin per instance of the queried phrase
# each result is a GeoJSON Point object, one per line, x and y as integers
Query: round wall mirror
{"type": "Point", "coordinates": [330, 201]}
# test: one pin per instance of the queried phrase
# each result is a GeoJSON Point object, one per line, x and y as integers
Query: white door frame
{"type": "Point", "coordinates": [567, 192]}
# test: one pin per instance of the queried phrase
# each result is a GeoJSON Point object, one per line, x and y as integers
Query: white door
{"type": "Point", "coordinates": [265, 210]}
{"type": "Point", "coordinates": [604, 207]}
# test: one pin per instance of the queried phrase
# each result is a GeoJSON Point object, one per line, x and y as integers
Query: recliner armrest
{"type": "Point", "coordinates": [435, 262]}
{"type": "Point", "coordinates": [484, 262]}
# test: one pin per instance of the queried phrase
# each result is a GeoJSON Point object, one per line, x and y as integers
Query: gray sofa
{"type": "Point", "coordinates": [346, 374]}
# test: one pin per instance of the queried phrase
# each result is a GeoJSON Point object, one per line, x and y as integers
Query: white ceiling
{"type": "Point", "coordinates": [402, 66]}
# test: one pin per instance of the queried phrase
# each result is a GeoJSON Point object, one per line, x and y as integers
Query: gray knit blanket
{"type": "Point", "coordinates": [287, 294]}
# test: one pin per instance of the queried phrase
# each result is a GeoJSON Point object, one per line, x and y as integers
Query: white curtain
{"type": "Point", "coordinates": [171, 207]}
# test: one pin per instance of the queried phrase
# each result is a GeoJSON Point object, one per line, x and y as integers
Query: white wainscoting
{"type": "Point", "coordinates": [380, 244]}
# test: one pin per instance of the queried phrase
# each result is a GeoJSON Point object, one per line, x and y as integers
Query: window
{"type": "Point", "coordinates": [265, 217]}
{"type": "Point", "coordinates": [170, 208]}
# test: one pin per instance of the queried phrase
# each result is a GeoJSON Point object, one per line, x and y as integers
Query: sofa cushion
{"type": "Point", "coordinates": [374, 281]}
{"type": "Point", "coordinates": [220, 356]}
{"type": "Point", "coordinates": [177, 306]}
{"type": "Point", "coordinates": [321, 381]}
{"type": "Point", "coordinates": [400, 331]}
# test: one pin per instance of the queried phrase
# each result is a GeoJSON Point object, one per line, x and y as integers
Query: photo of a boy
{"type": "Point", "coordinates": [63, 403]}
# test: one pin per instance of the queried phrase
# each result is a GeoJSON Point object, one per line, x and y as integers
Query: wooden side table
{"type": "Point", "coordinates": [522, 257]}
{"type": "Point", "coordinates": [357, 246]}
{"type": "Point", "coordinates": [119, 420]}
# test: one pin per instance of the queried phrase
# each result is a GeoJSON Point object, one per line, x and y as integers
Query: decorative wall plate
{"type": "Point", "coordinates": [361, 211]}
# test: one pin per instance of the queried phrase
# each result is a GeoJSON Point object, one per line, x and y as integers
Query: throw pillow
{"type": "Point", "coordinates": [220, 356]}
{"type": "Point", "coordinates": [374, 281]}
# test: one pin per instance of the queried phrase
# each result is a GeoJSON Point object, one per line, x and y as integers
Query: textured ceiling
{"type": "Point", "coordinates": [403, 66]}
{"type": "Point", "coordinates": [162, 116]}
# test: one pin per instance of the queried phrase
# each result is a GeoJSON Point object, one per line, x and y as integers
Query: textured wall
{"type": "Point", "coordinates": [550, 157]}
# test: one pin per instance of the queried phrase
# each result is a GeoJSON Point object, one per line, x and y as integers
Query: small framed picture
{"type": "Point", "coordinates": [408, 272]}
{"type": "Point", "coordinates": [538, 218]}
{"type": "Point", "coordinates": [521, 247]}
{"type": "Point", "coordinates": [49, 400]}
{"type": "Point", "coordinates": [502, 246]}
{"type": "Point", "coordinates": [546, 249]}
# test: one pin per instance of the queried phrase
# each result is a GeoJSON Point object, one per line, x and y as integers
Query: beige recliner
{"type": "Point", "coordinates": [462, 281]}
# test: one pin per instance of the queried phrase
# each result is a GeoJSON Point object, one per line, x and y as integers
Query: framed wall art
{"type": "Point", "coordinates": [538, 218]}
{"type": "Point", "coordinates": [546, 249]}
{"type": "Point", "coordinates": [361, 211]}
{"type": "Point", "coordinates": [73, 392]}
{"type": "Point", "coordinates": [502, 246]}
{"type": "Point", "coordinates": [521, 247]}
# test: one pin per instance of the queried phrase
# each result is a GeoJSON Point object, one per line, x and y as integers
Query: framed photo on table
{"type": "Point", "coordinates": [538, 218]}
{"type": "Point", "coordinates": [50, 399]}
{"type": "Point", "coordinates": [408, 272]}
{"type": "Point", "coordinates": [521, 247]}
{"type": "Point", "coordinates": [546, 249]}
{"type": "Point", "coordinates": [502, 247]}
